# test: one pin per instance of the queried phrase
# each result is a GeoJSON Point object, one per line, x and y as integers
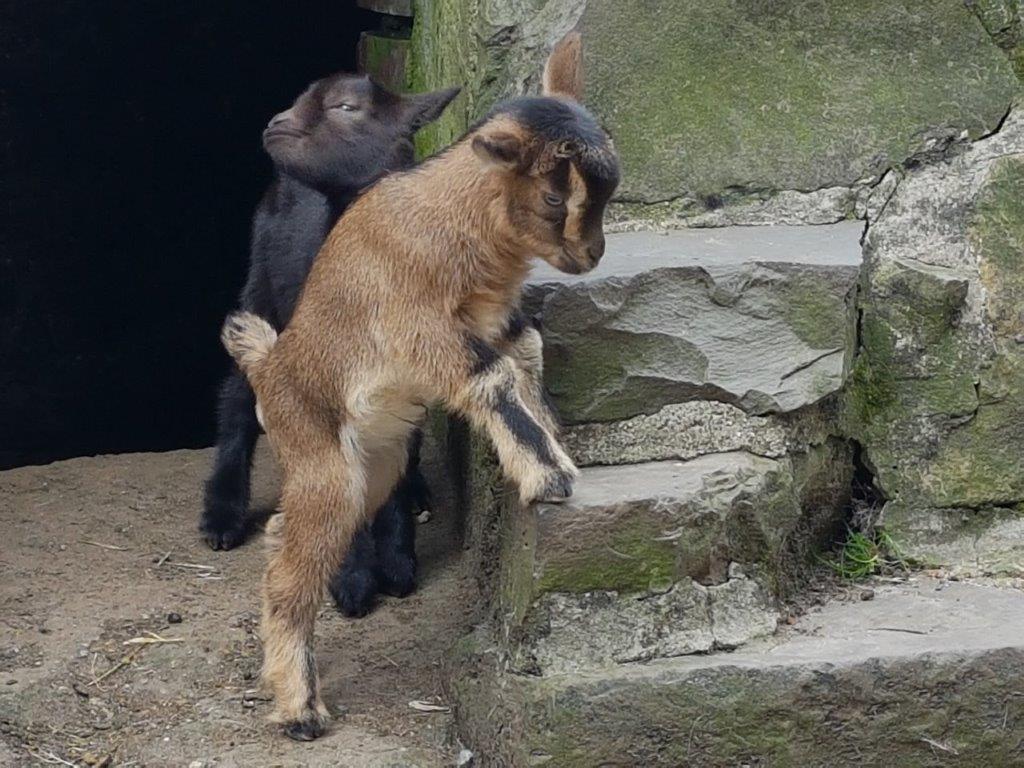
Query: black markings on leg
{"type": "Point", "coordinates": [484, 356]}
{"type": "Point", "coordinates": [517, 323]}
{"type": "Point", "coordinates": [310, 725]}
{"type": "Point", "coordinates": [309, 671]}
{"type": "Point", "coordinates": [526, 431]}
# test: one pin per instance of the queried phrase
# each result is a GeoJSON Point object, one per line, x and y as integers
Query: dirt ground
{"type": "Point", "coordinates": [96, 552]}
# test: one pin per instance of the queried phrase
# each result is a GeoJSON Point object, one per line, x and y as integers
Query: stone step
{"type": "Point", "coordinates": [925, 674]}
{"type": "Point", "coordinates": [756, 317]}
{"type": "Point", "coordinates": [664, 558]}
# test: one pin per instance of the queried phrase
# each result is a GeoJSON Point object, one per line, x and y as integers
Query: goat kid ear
{"type": "Point", "coordinates": [424, 108]}
{"type": "Point", "coordinates": [501, 150]}
{"type": "Point", "coordinates": [563, 71]}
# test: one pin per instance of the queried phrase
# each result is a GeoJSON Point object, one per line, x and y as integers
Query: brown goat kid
{"type": "Point", "coordinates": [412, 300]}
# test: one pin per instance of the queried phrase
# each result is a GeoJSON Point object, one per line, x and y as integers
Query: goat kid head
{"type": "Point", "coordinates": [345, 130]}
{"type": "Point", "coordinates": [556, 165]}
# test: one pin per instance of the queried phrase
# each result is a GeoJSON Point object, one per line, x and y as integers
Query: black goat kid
{"type": "Point", "coordinates": [342, 134]}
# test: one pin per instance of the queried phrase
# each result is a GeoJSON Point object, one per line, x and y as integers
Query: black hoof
{"type": "Point", "coordinates": [306, 729]}
{"type": "Point", "coordinates": [558, 488]}
{"type": "Point", "coordinates": [223, 531]}
{"type": "Point", "coordinates": [397, 576]}
{"type": "Point", "coordinates": [354, 592]}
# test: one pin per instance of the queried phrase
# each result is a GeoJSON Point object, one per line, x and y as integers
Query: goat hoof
{"type": "Point", "coordinates": [308, 728]}
{"type": "Point", "coordinates": [354, 592]}
{"type": "Point", "coordinates": [558, 488]}
{"type": "Point", "coordinates": [223, 531]}
{"type": "Point", "coordinates": [397, 575]}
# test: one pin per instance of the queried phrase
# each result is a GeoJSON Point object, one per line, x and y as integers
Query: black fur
{"type": "Point", "coordinates": [341, 135]}
{"type": "Point", "coordinates": [517, 324]}
{"type": "Point", "coordinates": [484, 356]}
{"type": "Point", "coordinates": [555, 120]}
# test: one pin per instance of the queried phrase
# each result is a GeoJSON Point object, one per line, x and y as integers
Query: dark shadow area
{"type": "Point", "coordinates": [131, 167]}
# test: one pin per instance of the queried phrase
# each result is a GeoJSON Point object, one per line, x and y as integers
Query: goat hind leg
{"type": "Point", "coordinates": [323, 507]}
{"type": "Point", "coordinates": [226, 499]}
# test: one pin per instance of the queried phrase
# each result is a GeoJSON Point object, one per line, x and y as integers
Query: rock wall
{"type": "Point", "coordinates": [721, 102]}
{"type": "Point", "coordinates": [717, 385]}
{"type": "Point", "coordinates": [937, 396]}
{"type": "Point", "coordinates": [801, 112]}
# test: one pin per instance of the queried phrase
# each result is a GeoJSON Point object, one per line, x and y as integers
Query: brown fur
{"type": "Point", "coordinates": [408, 303]}
{"type": "Point", "coordinates": [563, 72]}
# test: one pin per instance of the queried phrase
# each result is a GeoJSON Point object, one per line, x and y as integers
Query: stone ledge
{"type": "Point", "coordinates": [925, 674]}
{"type": "Point", "coordinates": [758, 317]}
{"type": "Point", "coordinates": [663, 558]}
{"type": "Point", "coordinates": [688, 430]}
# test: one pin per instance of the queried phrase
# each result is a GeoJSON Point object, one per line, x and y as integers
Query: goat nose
{"type": "Point", "coordinates": [280, 117]}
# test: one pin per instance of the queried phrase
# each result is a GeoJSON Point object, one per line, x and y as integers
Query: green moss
{"type": "Point", "coordinates": [940, 414]}
{"type": "Point", "coordinates": [997, 231]}
{"type": "Point", "coordinates": [585, 372]}
{"type": "Point", "coordinates": [814, 313]}
{"type": "Point", "coordinates": [634, 560]}
{"type": "Point", "coordinates": [721, 95]}
{"type": "Point", "coordinates": [444, 52]}
{"type": "Point", "coordinates": [1000, 18]}
{"type": "Point", "coordinates": [385, 57]}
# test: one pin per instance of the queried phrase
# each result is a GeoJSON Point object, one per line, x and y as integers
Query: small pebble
{"type": "Point", "coordinates": [12, 681]}
{"type": "Point", "coordinates": [867, 594]}
{"type": "Point", "coordinates": [174, 618]}
{"type": "Point", "coordinates": [197, 764]}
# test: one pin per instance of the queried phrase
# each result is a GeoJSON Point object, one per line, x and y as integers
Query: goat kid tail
{"type": "Point", "coordinates": [248, 338]}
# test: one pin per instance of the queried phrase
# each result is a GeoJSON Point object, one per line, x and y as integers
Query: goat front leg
{"type": "Point", "coordinates": [522, 342]}
{"type": "Point", "coordinates": [485, 386]}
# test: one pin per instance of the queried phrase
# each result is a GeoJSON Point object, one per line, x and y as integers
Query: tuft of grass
{"type": "Point", "coordinates": [861, 555]}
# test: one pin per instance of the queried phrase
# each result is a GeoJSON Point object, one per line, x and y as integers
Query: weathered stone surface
{"type": "Point", "coordinates": [964, 542]}
{"type": "Point", "coordinates": [393, 7]}
{"type": "Point", "coordinates": [598, 628]}
{"type": "Point", "coordinates": [385, 58]}
{"type": "Point", "coordinates": [758, 317]}
{"type": "Point", "coordinates": [787, 95]}
{"type": "Point", "coordinates": [918, 677]}
{"type": "Point", "coordinates": [697, 428]}
{"type": "Point", "coordinates": [1002, 20]}
{"type": "Point", "coordinates": [724, 100]}
{"type": "Point", "coordinates": [618, 572]}
{"type": "Point", "coordinates": [937, 393]}
{"type": "Point", "coordinates": [750, 208]}
{"type": "Point", "coordinates": [640, 528]}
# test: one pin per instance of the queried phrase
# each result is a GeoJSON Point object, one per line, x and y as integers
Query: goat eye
{"type": "Point", "coordinates": [552, 200]}
{"type": "Point", "coordinates": [344, 107]}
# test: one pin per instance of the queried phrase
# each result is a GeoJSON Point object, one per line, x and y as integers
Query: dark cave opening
{"type": "Point", "coordinates": [132, 165]}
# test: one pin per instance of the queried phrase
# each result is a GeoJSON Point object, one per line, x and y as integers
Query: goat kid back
{"type": "Point", "coordinates": [413, 300]}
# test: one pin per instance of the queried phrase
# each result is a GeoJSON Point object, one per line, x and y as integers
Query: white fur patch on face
{"type": "Point", "coordinates": [259, 416]}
